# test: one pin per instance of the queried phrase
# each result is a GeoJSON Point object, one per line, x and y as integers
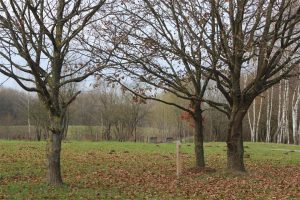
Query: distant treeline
{"type": "Point", "coordinates": [109, 114]}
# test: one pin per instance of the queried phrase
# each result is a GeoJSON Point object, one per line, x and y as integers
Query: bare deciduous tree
{"type": "Point", "coordinates": [160, 49]}
{"type": "Point", "coordinates": [264, 32]}
{"type": "Point", "coordinates": [41, 51]}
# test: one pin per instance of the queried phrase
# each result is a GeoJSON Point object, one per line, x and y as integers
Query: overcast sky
{"type": "Point", "coordinates": [8, 83]}
{"type": "Point", "coordinates": [85, 85]}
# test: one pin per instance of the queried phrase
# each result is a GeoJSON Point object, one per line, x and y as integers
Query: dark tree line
{"type": "Point", "coordinates": [11, 107]}
{"type": "Point", "coordinates": [99, 123]}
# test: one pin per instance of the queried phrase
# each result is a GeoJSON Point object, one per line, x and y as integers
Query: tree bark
{"type": "Point", "coordinates": [53, 152]}
{"type": "Point", "coordinates": [198, 137]}
{"type": "Point", "coordinates": [235, 148]}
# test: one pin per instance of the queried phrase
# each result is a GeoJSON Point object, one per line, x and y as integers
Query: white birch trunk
{"type": "Point", "coordinates": [269, 114]}
{"type": "Point", "coordinates": [286, 108]}
{"type": "Point", "coordinates": [279, 118]}
{"type": "Point", "coordinates": [295, 105]}
{"type": "Point", "coordinates": [268, 132]}
{"type": "Point", "coordinates": [252, 124]}
{"type": "Point", "coordinates": [258, 120]}
{"type": "Point", "coordinates": [283, 122]}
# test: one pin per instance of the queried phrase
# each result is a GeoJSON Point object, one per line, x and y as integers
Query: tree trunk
{"type": "Point", "coordinates": [278, 133]}
{"type": "Point", "coordinates": [258, 120]}
{"type": "Point", "coordinates": [53, 152]}
{"type": "Point", "coordinates": [252, 124]}
{"type": "Point", "coordinates": [235, 149]}
{"type": "Point", "coordinates": [286, 131]}
{"type": "Point", "coordinates": [198, 137]}
{"type": "Point", "coordinates": [269, 114]}
{"type": "Point", "coordinates": [295, 108]}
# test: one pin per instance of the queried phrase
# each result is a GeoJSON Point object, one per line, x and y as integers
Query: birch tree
{"type": "Point", "coordinates": [254, 123]}
{"type": "Point", "coordinates": [269, 114]}
{"type": "Point", "coordinates": [295, 119]}
{"type": "Point", "coordinates": [282, 132]}
{"type": "Point", "coordinates": [41, 51]}
{"type": "Point", "coordinates": [285, 133]}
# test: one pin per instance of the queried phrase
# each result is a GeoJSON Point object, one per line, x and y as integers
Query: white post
{"type": "Point", "coordinates": [178, 159]}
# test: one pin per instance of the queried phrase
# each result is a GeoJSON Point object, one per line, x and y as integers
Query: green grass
{"type": "Point", "coordinates": [147, 171]}
{"type": "Point", "coordinates": [89, 132]}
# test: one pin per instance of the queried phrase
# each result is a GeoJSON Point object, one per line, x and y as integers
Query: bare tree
{"type": "Point", "coordinates": [41, 51]}
{"type": "Point", "coordinates": [107, 105]}
{"type": "Point", "coordinates": [264, 32]}
{"type": "Point", "coordinates": [160, 50]}
{"type": "Point", "coordinates": [135, 112]}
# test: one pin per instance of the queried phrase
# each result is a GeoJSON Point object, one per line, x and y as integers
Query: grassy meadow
{"type": "Point", "coordinates": [123, 170]}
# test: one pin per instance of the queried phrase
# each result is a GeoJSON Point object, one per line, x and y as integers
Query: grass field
{"type": "Point", "coordinates": [115, 170]}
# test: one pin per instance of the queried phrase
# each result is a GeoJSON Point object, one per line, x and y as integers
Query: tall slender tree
{"type": "Point", "coordinates": [295, 109]}
{"type": "Point", "coordinates": [269, 114]}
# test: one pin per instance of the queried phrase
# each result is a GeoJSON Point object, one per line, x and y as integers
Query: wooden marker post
{"type": "Point", "coordinates": [178, 159]}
